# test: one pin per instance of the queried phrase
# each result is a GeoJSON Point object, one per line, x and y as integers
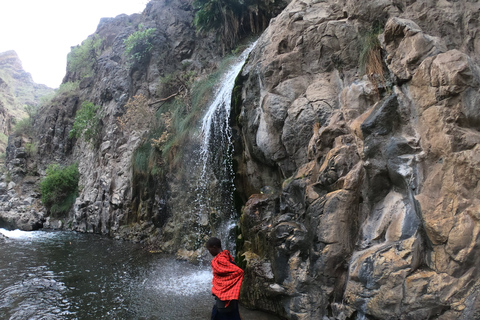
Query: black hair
{"type": "Point", "coordinates": [214, 242]}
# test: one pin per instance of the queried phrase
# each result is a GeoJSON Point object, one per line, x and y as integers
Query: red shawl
{"type": "Point", "coordinates": [227, 277]}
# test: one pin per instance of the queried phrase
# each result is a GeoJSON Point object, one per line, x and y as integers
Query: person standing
{"type": "Point", "coordinates": [226, 283]}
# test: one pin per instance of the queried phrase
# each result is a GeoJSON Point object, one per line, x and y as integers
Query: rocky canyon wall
{"type": "Point", "coordinates": [117, 196]}
{"type": "Point", "coordinates": [369, 203]}
{"type": "Point", "coordinates": [115, 200]}
{"type": "Point", "coordinates": [356, 155]}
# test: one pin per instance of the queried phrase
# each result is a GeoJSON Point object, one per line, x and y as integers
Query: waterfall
{"type": "Point", "coordinates": [215, 187]}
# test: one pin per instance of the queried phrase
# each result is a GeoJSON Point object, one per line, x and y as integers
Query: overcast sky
{"type": "Point", "coordinates": [42, 31]}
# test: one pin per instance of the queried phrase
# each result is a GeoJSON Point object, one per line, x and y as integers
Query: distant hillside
{"type": "Point", "coordinates": [17, 89]}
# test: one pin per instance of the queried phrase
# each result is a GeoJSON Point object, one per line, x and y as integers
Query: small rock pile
{"type": "Point", "coordinates": [19, 210]}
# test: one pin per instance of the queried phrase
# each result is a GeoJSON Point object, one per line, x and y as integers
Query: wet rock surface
{"type": "Point", "coordinates": [374, 214]}
{"type": "Point", "coordinates": [112, 200]}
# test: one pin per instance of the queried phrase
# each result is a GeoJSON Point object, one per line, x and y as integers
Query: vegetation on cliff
{"type": "Point", "coordinates": [86, 122]}
{"type": "Point", "coordinates": [60, 188]}
{"type": "Point", "coordinates": [358, 212]}
{"type": "Point", "coordinates": [24, 126]}
{"type": "Point", "coordinates": [18, 92]}
{"type": "Point", "coordinates": [82, 59]}
{"type": "Point", "coordinates": [233, 19]}
{"type": "Point", "coordinates": [370, 59]}
{"type": "Point", "coordinates": [173, 120]}
{"type": "Point", "coordinates": [138, 45]}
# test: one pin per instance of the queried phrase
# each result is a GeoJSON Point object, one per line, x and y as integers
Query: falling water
{"type": "Point", "coordinates": [215, 186]}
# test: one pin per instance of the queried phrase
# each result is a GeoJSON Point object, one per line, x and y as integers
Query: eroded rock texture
{"type": "Point", "coordinates": [129, 187]}
{"type": "Point", "coordinates": [113, 199]}
{"type": "Point", "coordinates": [375, 209]}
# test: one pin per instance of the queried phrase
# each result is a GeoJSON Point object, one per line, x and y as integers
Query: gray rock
{"type": "Point", "coordinates": [24, 220]}
{"type": "Point", "coordinates": [374, 180]}
{"type": "Point", "coordinates": [29, 201]}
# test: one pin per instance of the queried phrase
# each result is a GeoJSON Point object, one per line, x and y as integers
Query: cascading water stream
{"type": "Point", "coordinates": [218, 112]}
{"type": "Point", "coordinates": [215, 186]}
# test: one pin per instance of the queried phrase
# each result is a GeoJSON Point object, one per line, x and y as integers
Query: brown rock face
{"type": "Point", "coordinates": [375, 214]}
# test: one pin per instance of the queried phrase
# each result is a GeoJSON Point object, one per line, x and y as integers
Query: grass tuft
{"type": "Point", "coordinates": [370, 60]}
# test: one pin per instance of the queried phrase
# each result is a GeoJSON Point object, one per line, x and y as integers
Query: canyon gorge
{"type": "Point", "coordinates": [352, 189]}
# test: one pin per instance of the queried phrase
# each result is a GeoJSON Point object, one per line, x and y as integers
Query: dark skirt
{"type": "Point", "coordinates": [220, 312]}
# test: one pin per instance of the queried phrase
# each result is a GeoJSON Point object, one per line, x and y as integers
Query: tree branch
{"type": "Point", "coordinates": [167, 98]}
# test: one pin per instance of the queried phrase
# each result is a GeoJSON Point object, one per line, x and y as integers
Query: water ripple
{"type": "Point", "coordinates": [37, 295]}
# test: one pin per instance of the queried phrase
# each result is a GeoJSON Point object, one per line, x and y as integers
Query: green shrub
{"type": "Point", "coordinates": [138, 45]}
{"type": "Point", "coordinates": [145, 159]}
{"type": "Point", "coordinates": [24, 126]}
{"type": "Point", "coordinates": [31, 148]}
{"type": "Point", "coordinates": [221, 16]}
{"type": "Point", "coordinates": [86, 122]}
{"type": "Point", "coordinates": [3, 138]}
{"type": "Point", "coordinates": [82, 58]}
{"type": "Point", "coordinates": [67, 88]}
{"type": "Point", "coordinates": [31, 110]}
{"type": "Point", "coordinates": [59, 188]}
{"type": "Point", "coordinates": [46, 99]}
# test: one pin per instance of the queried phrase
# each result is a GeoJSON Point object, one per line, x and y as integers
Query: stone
{"type": "Point", "coordinates": [407, 46]}
{"type": "Point", "coordinates": [3, 188]}
{"type": "Point", "coordinates": [383, 119]}
{"type": "Point", "coordinates": [29, 201]}
{"type": "Point", "coordinates": [389, 180]}
{"type": "Point", "coordinates": [22, 219]}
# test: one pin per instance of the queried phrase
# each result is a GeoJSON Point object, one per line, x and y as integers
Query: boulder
{"type": "Point", "coordinates": [26, 220]}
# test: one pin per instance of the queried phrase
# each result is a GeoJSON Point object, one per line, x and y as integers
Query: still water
{"type": "Point", "coordinates": [67, 275]}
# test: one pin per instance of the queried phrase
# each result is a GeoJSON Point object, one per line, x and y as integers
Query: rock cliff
{"type": "Point", "coordinates": [115, 198]}
{"type": "Point", "coordinates": [132, 187]}
{"type": "Point", "coordinates": [17, 89]}
{"type": "Point", "coordinates": [356, 131]}
{"type": "Point", "coordinates": [372, 205]}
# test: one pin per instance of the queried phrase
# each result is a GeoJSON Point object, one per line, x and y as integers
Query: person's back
{"type": "Point", "coordinates": [226, 283]}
